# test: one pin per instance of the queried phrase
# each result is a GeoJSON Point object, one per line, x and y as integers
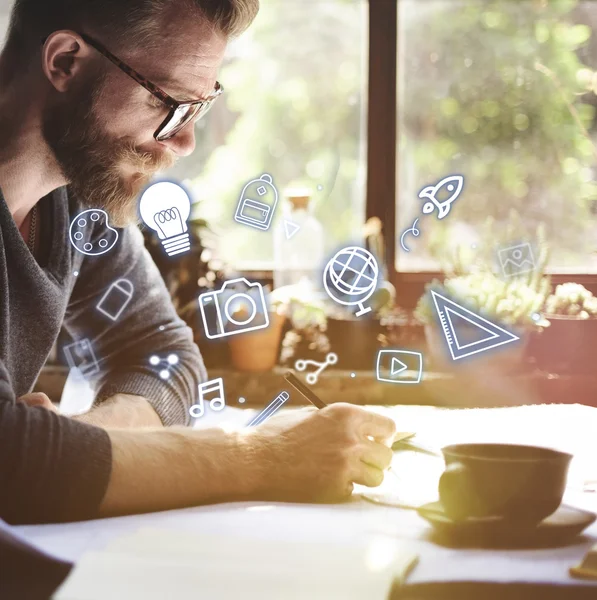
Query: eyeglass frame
{"type": "Point", "coordinates": [152, 88]}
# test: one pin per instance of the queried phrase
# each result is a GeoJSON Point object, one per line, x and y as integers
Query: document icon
{"type": "Point", "coordinates": [80, 356]}
{"type": "Point", "coordinates": [399, 366]}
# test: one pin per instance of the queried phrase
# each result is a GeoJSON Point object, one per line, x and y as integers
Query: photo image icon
{"type": "Point", "coordinates": [517, 260]}
{"type": "Point", "coordinates": [239, 306]}
{"type": "Point", "coordinates": [399, 366]}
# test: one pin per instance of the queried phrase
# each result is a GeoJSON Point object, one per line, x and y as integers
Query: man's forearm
{"type": "Point", "coordinates": [122, 410]}
{"type": "Point", "coordinates": [176, 467]}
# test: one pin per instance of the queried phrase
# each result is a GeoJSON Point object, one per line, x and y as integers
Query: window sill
{"type": "Point", "coordinates": [436, 389]}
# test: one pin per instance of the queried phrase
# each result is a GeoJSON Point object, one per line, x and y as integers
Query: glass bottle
{"type": "Point", "coordinates": [299, 243]}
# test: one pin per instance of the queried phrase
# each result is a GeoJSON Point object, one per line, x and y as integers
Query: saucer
{"type": "Point", "coordinates": [559, 528]}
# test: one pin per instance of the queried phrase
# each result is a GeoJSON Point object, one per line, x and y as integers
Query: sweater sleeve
{"type": "Point", "coordinates": [52, 468]}
{"type": "Point", "coordinates": [121, 306]}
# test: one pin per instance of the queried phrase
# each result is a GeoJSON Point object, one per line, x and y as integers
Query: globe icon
{"type": "Point", "coordinates": [350, 277]}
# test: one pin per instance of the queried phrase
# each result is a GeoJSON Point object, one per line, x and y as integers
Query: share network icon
{"type": "Point", "coordinates": [466, 332]}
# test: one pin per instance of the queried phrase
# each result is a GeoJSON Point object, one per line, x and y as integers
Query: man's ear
{"type": "Point", "coordinates": [64, 57]}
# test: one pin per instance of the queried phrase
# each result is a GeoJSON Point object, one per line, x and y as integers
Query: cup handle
{"type": "Point", "coordinates": [455, 491]}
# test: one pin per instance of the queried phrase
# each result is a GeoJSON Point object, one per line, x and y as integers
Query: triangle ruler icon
{"type": "Point", "coordinates": [476, 333]}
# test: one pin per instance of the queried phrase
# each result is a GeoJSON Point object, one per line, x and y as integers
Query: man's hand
{"type": "Point", "coordinates": [317, 455]}
{"type": "Point", "coordinates": [308, 456]}
{"type": "Point", "coordinates": [38, 399]}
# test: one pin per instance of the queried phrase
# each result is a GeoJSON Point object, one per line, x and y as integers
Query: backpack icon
{"type": "Point", "coordinates": [257, 203]}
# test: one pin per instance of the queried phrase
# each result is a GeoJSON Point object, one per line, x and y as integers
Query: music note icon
{"type": "Point", "coordinates": [217, 403]}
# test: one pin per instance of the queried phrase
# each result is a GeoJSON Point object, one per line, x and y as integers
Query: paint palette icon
{"type": "Point", "coordinates": [91, 234]}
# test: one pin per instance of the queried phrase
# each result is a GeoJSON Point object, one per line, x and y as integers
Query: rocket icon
{"type": "Point", "coordinates": [452, 184]}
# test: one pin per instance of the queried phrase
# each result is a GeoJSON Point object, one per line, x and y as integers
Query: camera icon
{"type": "Point", "coordinates": [239, 306]}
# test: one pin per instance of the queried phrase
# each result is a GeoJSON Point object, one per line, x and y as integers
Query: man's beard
{"type": "Point", "coordinates": [91, 160]}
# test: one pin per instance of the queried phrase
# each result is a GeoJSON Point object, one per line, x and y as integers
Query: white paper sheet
{"type": "Point", "coordinates": [158, 563]}
{"type": "Point", "coordinates": [568, 427]}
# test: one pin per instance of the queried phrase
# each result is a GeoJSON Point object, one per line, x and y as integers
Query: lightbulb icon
{"type": "Point", "coordinates": [165, 208]}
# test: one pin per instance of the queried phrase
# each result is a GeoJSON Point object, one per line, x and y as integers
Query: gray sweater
{"type": "Point", "coordinates": [53, 468]}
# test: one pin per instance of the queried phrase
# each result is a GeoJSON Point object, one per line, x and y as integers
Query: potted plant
{"type": "Point", "coordinates": [306, 335]}
{"type": "Point", "coordinates": [258, 351]}
{"type": "Point", "coordinates": [296, 306]}
{"type": "Point", "coordinates": [356, 340]}
{"type": "Point", "coordinates": [568, 345]}
{"type": "Point", "coordinates": [513, 303]}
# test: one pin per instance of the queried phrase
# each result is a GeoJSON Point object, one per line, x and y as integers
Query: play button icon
{"type": "Point", "coordinates": [399, 366]}
{"type": "Point", "coordinates": [290, 229]}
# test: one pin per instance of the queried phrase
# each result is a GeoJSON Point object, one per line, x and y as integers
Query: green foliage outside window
{"type": "Point", "coordinates": [492, 92]}
{"type": "Point", "coordinates": [295, 93]}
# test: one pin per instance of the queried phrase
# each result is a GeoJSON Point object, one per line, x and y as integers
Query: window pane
{"type": "Point", "coordinates": [499, 92]}
{"type": "Point", "coordinates": [293, 107]}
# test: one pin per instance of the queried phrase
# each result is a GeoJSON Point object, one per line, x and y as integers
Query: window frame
{"type": "Point", "coordinates": [382, 168]}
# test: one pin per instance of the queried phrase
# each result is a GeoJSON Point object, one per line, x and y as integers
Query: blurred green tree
{"type": "Point", "coordinates": [490, 85]}
{"type": "Point", "coordinates": [294, 97]}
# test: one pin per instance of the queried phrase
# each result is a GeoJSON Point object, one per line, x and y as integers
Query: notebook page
{"type": "Point", "coordinates": [153, 563]}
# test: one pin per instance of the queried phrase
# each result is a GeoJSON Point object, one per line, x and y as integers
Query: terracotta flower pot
{"type": "Point", "coordinates": [567, 345]}
{"type": "Point", "coordinates": [356, 342]}
{"type": "Point", "coordinates": [257, 351]}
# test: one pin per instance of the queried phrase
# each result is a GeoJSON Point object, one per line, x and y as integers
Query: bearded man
{"type": "Point", "coordinates": [95, 98]}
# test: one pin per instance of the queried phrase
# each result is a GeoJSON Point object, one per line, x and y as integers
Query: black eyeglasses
{"type": "Point", "coordinates": [181, 113]}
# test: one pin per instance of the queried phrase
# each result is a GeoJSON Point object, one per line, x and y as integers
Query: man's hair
{"type": "Point", "coordinates": [120, 23]}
